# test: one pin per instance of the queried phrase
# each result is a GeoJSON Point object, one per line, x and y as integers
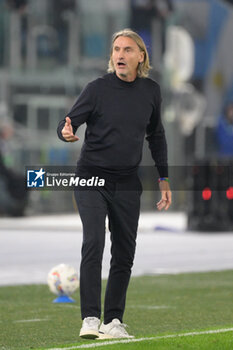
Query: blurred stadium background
{"type": "Point", "coordinates": [49, 50]}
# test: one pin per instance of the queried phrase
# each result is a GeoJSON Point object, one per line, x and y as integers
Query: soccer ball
{"type": "Point", "coordinates": [63, 280]}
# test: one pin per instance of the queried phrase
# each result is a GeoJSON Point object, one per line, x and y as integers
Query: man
{"type": "Point", "coordinates": [119, 109]}
{"type": "Point", "coordinates": [224, 131]}
{"type": "Point", "coordinates": [143, 13]}
{"type": "Point", "coordinates": [14, 197]}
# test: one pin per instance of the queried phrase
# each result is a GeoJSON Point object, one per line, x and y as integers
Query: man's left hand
{"type": "Point", "coordinates": [166, 199]}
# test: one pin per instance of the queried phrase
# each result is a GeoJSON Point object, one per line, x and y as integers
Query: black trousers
{"type": "Point", "coordinates": [119, 201]}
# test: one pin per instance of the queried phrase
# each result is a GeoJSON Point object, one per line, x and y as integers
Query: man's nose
{"type": "Point", "coordinates": [121, 54]}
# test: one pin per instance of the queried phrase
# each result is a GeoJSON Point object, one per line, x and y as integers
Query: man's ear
{"type": "Point", "coordinates": [141, 58]}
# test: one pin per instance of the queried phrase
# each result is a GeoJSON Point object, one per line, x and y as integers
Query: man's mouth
{"type": "Point", "coordinates": [121, 64]}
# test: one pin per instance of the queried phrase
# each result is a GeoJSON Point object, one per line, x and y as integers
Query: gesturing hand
{"type": "Point", "coordinates": [166, 199]}
{"type": "Point", "coordinates": [67, 132]}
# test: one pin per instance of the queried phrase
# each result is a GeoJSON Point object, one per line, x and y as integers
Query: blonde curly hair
{"type": "Point", "coordinates": [144, 67]}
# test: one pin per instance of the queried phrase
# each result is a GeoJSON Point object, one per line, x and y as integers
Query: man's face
{"type": "Point", "coordinates": [126, 56]}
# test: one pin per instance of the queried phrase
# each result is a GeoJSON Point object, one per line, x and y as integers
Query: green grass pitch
{"type": "Point", "coordinates": [157, 306]}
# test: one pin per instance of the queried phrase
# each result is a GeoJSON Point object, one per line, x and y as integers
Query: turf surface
{"type": "Point", "coordinates": [156, 305]}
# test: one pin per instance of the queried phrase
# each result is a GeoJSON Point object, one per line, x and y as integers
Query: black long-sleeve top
{"type": "Point", "coordinates": [118, 116]}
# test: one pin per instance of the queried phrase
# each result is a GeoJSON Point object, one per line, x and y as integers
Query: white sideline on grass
{"type": "Point", "coordinates": [149, 307]}
{"type": "Point", "coordinates": [33, 320]}
{"type": "Point", "coordinates": [135, 340]}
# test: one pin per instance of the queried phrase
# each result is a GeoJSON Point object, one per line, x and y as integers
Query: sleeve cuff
{"type": "Point", "coordinates": [163, 170]}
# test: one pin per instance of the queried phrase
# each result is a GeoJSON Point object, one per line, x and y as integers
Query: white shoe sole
{"type": "Point", "coordinates": [90, 334]}
{"type": "Point", "coordinates": [105, 336]}
{"type": "Point", "coordinates": [108, 336]}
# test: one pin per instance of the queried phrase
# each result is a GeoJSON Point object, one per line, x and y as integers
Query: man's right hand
{"type": "Point", "coordinates": [67, 132]}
